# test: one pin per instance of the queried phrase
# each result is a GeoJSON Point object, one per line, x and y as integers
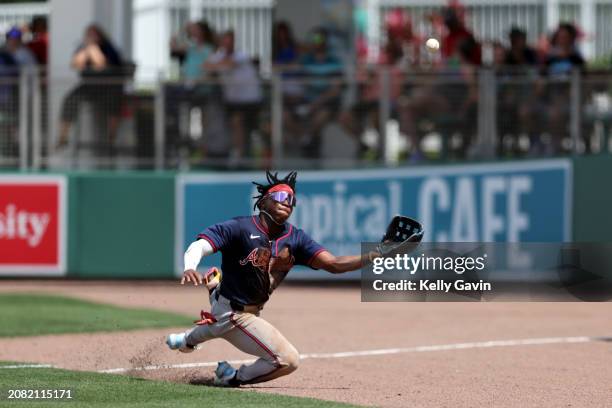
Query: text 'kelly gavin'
{"type": "Point", "coordinates": [437, 285]}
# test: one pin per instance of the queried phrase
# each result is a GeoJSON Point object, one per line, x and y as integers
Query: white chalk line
{"type": "Point", "coordinates": [360, 353]}
{"type": "Point", "coordinates": [380, 352]}
{"type": "Point", "coordinates": [27, 366]}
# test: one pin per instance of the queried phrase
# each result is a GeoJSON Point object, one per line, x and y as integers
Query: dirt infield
{"type": "Point", "coordinates": [464, 371]}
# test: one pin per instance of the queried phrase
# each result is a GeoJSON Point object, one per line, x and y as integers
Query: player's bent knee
{"type": "Point", "coordinates": [290, 360]}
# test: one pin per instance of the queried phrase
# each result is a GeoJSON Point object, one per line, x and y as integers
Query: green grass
{"type": "Point", "coordinates": [101, 390]}
{"type": "Point", "coordinates": [30, 314]}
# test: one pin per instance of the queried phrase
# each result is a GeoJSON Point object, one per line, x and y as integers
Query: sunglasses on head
{"type": "Point", "coordinates": [284, 197]}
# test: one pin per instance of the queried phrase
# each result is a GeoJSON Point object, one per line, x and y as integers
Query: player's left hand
{"type": "Point", "coordinates": [191, 275]}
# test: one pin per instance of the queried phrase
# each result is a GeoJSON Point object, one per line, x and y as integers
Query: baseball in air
{"type": "Point", "coordinates": [432, 44]}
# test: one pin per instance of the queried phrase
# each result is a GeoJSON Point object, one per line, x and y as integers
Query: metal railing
{"type": "Point", "coordinates": [377, 117]}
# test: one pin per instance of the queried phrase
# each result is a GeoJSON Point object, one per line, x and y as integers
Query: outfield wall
{"type": "Point", "coordinates": [592, 215]}
{"type": "Point", "coordinates": [136, 224]}
{"type": "Point", "coordinates": [121, 225]}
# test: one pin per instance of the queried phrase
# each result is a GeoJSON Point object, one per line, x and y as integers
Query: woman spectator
{"type": "Point", "coordinates": [99, 64]}
{"type": "Point", "coordinates": [193, 55]}
{"type": "Point", "coordinates": [193, 91]}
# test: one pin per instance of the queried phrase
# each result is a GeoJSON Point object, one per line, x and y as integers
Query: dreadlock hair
{"type": "Point", "coordinates": [273, 180]}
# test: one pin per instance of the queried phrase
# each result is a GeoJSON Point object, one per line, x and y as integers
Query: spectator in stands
{"type": "Point", "coordinates": [564, 56]}
{"type": "Point", "coordinates": [285, 50]}
{"type": "Point", "coordinates": [241, 92]}
{"type": "Point", "coordinates": [520, 54]}
{"type": "Point", "coordinates": [100, 65]}
{"type": "Point", "coordinates": [322, 92]}
{"type": "Point", "coordinates": [403, 44]}
{"type": "Point", "coordinates": [456, 34]}
{"type": "Point", "coordinates": [193, 91]}
{"type": "Point", "coordinates": [562, 59]}
{"type": "Point", "coordinates": [39, 44]}
{"type": "Point", "coordinates": [193, 55]}
{"type": "Point", "coordinates": [22, 54]}
{"type": "Point", "coordinates": [519, 105]}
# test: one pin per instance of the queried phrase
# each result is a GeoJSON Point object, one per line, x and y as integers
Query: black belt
{"type": "Point", "coordinates": [239, 307]}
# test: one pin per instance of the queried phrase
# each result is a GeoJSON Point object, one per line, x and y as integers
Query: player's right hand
{"type": "Point", "coordinates": [191, 275]}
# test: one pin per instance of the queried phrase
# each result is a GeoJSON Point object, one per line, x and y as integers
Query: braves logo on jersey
{"type": "Point", "coordinates": [259, 258]}
{"type": "Point", "coordinates": [246, 248]}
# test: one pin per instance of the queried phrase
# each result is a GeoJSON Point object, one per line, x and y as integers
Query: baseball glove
{"type": "Point", "coordinates": [403, 235]}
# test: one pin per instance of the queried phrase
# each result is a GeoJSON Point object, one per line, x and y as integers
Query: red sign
{"type": "Point", "coordinates": [32, 222]}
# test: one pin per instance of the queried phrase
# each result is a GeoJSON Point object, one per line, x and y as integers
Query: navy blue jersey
{"type": "Point", "coordinates": [249, 257]}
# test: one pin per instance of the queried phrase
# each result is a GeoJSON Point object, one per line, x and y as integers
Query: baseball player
{"type": "Point", "coordinates": [257, 253]}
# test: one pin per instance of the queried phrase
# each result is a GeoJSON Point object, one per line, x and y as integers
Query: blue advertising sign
{"type": "Point", "coordinates": [526, 201]}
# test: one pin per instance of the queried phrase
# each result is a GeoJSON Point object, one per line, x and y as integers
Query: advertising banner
{"type": "Point", "coordinates": [32, 225]}
{"type": "Point", "coordinates": [527, 201]}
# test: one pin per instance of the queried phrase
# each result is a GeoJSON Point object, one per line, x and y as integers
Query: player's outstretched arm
{"type": "Point", "coordinates": [340, 264]}
{"type": "Point", "coordinates": [193, 256]}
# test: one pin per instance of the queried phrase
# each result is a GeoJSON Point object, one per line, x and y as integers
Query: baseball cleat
{"type": "Point", "coordinates": [176, 341]}
{"type": "Point", "coordinates": [225, 375]}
